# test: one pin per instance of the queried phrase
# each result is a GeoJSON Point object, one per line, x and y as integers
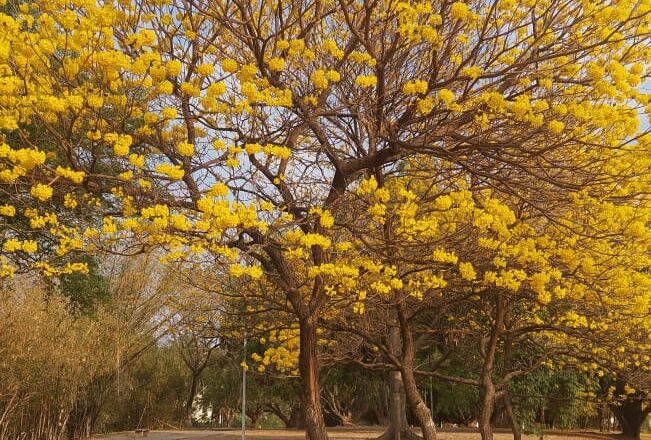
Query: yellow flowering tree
{"type": "Point", "coordinates": [234, 129]}
{"type": "Point", "coordinates": [447, 259]}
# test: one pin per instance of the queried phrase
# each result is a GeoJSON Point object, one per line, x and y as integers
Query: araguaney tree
{"type": "Point", "coordinates": [234, 129]}
{"type": "Point", "coordinates": [458, 264]}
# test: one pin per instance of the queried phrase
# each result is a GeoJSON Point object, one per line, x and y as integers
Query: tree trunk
{"type": "Point", "coordinates": [418, 406]}
{"type": "Point", "coordinates": [291, 420]}
{"type": "Point", "coordinates": [487, 406]}
{"type": "Point", "coordinates": [515, 425]}
{"type": "Point", "coordinates": [381, 414]}
{"type": "Point", "coordinates": [508, 405]}
{"type": "Point", "coordinates": [254, 413]}
{"type": "Point", "coordinates": [398, 427]}
{"type": "Point", "coordinates": [190, 400]}
{"type": "Point", "coordinates": [296, 418]}
{"type": "Point", "coordinates": [230, 417]}
{"type": "Point", "coordinates": [346, 418]}
{"type": "Point", "coordinates": [488, 350]}
{"type": "Point", "coordinates": [631, 417]}
{"type": "Point", "coordinates": [308, 365]}
{"type": "Point", "coordinates": [414, 399]}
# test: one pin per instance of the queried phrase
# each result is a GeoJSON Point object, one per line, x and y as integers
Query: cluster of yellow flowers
{"type": "Point", "coordinates": [75, 176]}
{"type": "Point", "coordinates": [283, 354]}
{"type": "Point", "coordinates": [22, 161]}
{"type": "Point", "coordinates": [120, 142]}
{"type": "Point", "coordinates": [41, 192]}
{"type": "Point", "coordinates": [13, 245]}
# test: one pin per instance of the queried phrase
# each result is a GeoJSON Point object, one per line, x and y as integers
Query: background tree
{"type": "Point", "coordinates": [194, 327]}
{"type": "Point", "coordinates": [64, 365]}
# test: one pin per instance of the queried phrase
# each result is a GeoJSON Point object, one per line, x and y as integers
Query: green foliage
{"type": "Point", "coordinates": [150, 394]}
{"type": "Point", "coordinates": [454, 402]}
{"type": "Point", "coordinates": [85, 290]}
{"type": "Point", "coordinates": [221, 388]}
{"type": "Point", "coordinates": [554, 393]}
{"type": "Point", "coordinates": [351, 394]}
{"type": "Point", "coordinates": [221, 391]}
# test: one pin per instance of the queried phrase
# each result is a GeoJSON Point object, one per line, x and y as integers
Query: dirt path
{"type": "Point", "coordinates": [338, 434]}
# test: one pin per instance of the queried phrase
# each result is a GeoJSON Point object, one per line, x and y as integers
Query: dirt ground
{"type": "Point", "coordinates": [340, 434]}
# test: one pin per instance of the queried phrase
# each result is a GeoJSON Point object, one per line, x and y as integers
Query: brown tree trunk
{"type": "Point", "coordinates": [488, 350]}
{"type": "Point", "coordinates": [631, 416]}
{"type": "Point", "coordinates": [296, 418]}
{"type": "Point", "coordinates": [190, 400]}
{"type": "Point", "coordinates": [487, 406]}
{"type": "Point", "coordinates": [515, 426]}
{"type": "Point", "coordinates": [308, 365]}
{"type": "Point", "coordinates": [414, 399]}
{"type": "Point", "coordinates": [398, 428]}
{"type": "Point", "coordinates": [254, 414]}
{"type": "Point", "coordinates": [230, 418]}
{"type": "Point", "coordinates": [292, 420]}
{"type": "Point", "coordinates": [508, 405]}
{"type": "Point", "coordinates": [418, 406]}
{"type": "Point", "coordinates": [381, 415]}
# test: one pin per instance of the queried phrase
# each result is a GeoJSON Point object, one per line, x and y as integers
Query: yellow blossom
{"type": "Point", "coordinates": [459, 10]}
{"type": "Point", "coordinates": [41, 192]}
{"type": "Point", "coordinates": [7, 210]}
{"type": "Point", "coordinates": [185, 149]}
{"type": "Point", "coordinates": [366, 81]}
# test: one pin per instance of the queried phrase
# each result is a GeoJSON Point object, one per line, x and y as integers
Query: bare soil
{"type": "Point", "coordinates": [343, 434]}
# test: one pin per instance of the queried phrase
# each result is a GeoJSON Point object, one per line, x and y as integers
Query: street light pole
{"type": "Point", "coordinates": [244, 391]}
{"type": "Point", "coordinates": [431, 390]}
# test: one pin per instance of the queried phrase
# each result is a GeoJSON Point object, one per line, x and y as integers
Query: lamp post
{"type": "Point", "coordinates": [244, 391]}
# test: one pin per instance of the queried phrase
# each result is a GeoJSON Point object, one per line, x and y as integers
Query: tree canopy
{"type": "Point", "coordinates": [344, 157]}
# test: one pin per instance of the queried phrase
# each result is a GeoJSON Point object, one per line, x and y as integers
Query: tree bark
{"type": "Point", "coordinates": [254, 413]}
{"type": "Point", "coordinates": [418, 406]}
{"type": "Point", "coordinates": [296, 418]}
{"type": "Point", "coordinates": [192, 392]}
{"type": "Point", "coordinates": [508, 404]}
{"type": "Point", "coordinates": [487, 406]}
{"type": "Point", "coordinates": [414, 399]}
{"type": "Point", "coordinates": [308, 365]}
{"type": "Point", "coordinates": [292, 420]}
{"type": "Point", "coordinates": [398, 428]}
{"type": "Point", "coordinates": [489, 350]}
{"type": "Point", "coordinates": [515, 426]}
{"type": "Point", "coordinates": [631, 417]}
{"type": "Point", "coordinates": [230, 417]}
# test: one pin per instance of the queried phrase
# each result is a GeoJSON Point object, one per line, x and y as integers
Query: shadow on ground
{"type": "Point", "coordinates": [343, 434]}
